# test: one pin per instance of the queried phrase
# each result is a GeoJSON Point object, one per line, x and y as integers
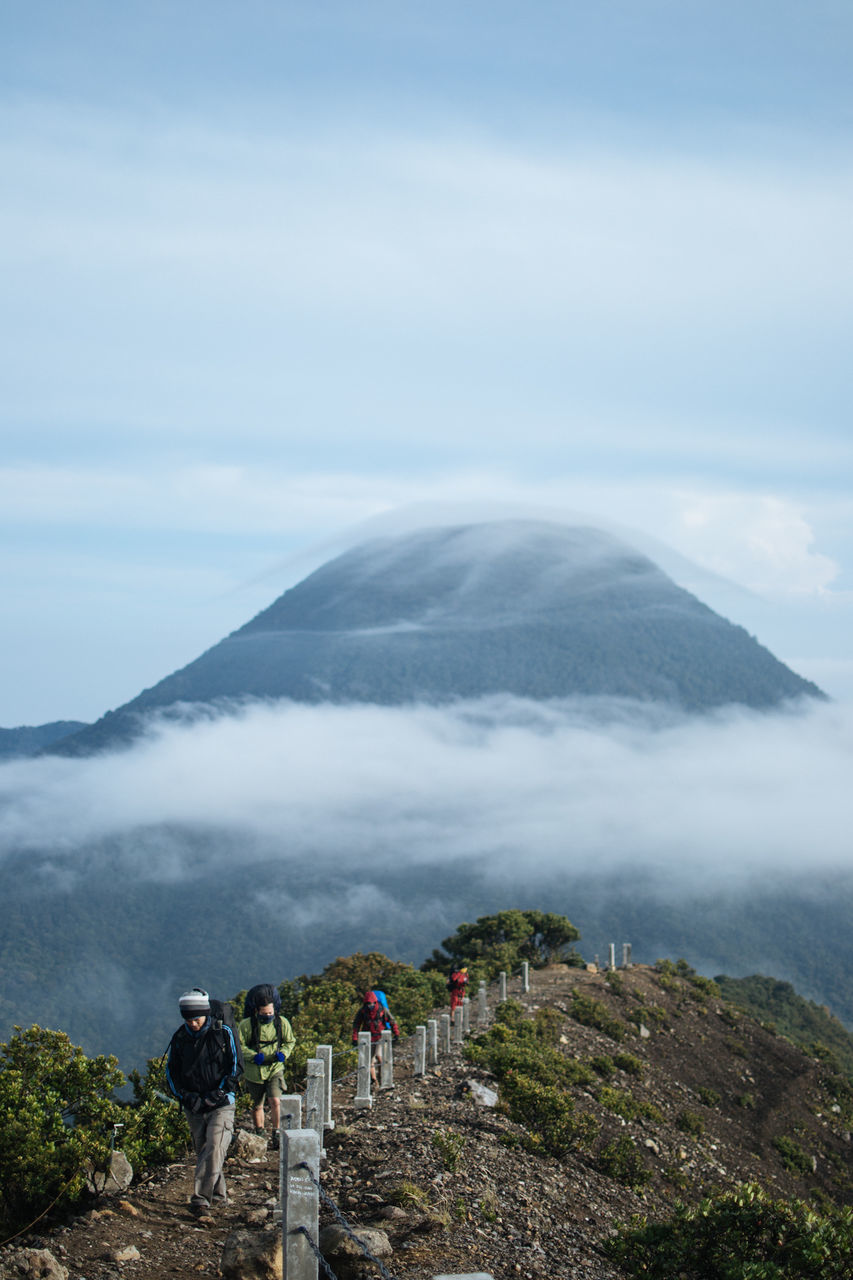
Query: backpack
{"type": "Point", "coordinates": [263, 993]}
{"type": "Point", "coordinates": [457, 980]}
{"type": "Point", "coordinates": [382, 998]}
{"type": "Point", "coordinates": [222, 1015]}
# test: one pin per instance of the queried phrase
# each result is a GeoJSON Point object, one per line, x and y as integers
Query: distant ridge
{"type": "Point", "coordinates": [29, 740]}
{"type": "Point", "coordinates": [536, 609]}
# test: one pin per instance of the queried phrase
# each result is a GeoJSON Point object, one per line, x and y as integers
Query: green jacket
{"type": "Point", "coordinates": [268, 1046]}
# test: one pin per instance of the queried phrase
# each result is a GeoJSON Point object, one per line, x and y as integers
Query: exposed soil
{"type": "Point", "coordinates": [724, 1086]}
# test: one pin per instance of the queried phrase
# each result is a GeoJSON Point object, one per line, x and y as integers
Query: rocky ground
{"type": "Point", "coordinates": [449, 1184]}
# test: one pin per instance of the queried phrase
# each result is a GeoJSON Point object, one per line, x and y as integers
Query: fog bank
{"type": "Point", "coordinates": [502, 781]}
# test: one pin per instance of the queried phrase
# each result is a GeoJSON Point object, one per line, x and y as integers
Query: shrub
{"type": "Point", "coordinates": [626, 1105]}
{"type": "Point", "coordinates": [603, 1065]}
{"type": "Point", "coordinates": [592, 1013]}
{"type": "Point", "coordinates": [57, 1111]}
{"type": "Point", "coordinates": [628, 1063]}
{"type": "Point", "coordinates": [621, 1160]}
{"type": "Point", "coordinates": [547, 1112]}
{"type": "Point", "coordinates": [690, 1122]}
{"type": "Point", "coordinates": [794, 1158]}
{"type": "Point", "coordinates": [709, 1096]}
{"type": "Point", "coordinates": [739, 1235]}
{"type": "Point", "coordinates": [450, 1147]}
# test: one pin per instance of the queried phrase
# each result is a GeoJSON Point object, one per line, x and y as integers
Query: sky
{"type": "Point", "coordinates": [274, 271]}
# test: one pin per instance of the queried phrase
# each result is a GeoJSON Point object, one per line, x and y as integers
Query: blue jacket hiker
{"type": "Point", "coordinates": [202, 1070]}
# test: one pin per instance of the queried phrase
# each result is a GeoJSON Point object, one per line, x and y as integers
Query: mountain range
{"type": "Point", "coordinates": [97, 933]}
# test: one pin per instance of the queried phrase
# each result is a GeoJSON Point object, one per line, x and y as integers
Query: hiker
{"type": "Point", "coordinates": [374, 1017]}
{"type": "Point", "coordinates": [267, 1041]}
{"type": "Point", "coordinates": [456, 984]}
{"type": "Point", "coordinates": [202, 1070]}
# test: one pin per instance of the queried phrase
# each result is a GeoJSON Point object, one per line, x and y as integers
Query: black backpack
{"type": "Point", "coordinates": [256, 997]}
{"type": "Point", "coordinates": [222, 1015]}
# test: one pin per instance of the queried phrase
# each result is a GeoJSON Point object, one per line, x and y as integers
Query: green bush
{"type": "Point", "coordinates": [621, 1160]}
{"type": "Point", "coordinates": [740, 1235]}
{"type": "Point", "coordinates": [709, 1096]}
{"type": "Point", "coordinates": [794, 1158]}
{"type": "Point", "coordinates": [547, 1112]}
{"type": "Point", "coordinates": [628, 1063]}
{"type": "Point", "coordinates": [690, 1122]}
{"type": "Point", "coordinates": [626, 1105]}
{"type": "Point", "coordinates": [592, 1013]}
{"type": "Point", "coordinates": [57, 1112]}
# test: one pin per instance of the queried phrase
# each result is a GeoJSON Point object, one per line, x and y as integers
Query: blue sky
{"type": "Point", "coordinates": [272, 270]}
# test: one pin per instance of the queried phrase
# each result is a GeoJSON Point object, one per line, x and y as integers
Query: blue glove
{"type": "Point", "coordinates": [279, 1057]}
{"type": "Point", "coordinates": [260, 1059]}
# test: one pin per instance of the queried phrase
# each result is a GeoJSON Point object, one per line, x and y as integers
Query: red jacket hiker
{"type": "Point", "coordinates": [373, 1017]}
{"type": "Point", "coordinates": [456, 984]}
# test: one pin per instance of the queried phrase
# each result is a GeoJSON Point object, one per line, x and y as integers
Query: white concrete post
{"type": "Point", "coordinates": [300, 1204]}
{"type": "Point", "coordinates": [626, 955]}
{"type": "Point", "coordinates": [291, 1111]}
{"type": "Point", "coordinates": [611, 964]}
{"type": "Point", "coordinates": [502, 986]}
{"type": "Point", "coordinates": [459, 1029]}
{"type": "Point", "coordinates": [324, 1053]}
{"type": "Point", "coordinates": [420, 1051]}
{"type": "Point", "coordinates": [482, 1009]}
{"type": "Point", "coordinates": [466, 1015]}
{"type": "Point", "coordinates": [315, 1096]}
{"type": "Point", "coordinates": [362, 1088]}
{"type": "Point", "coordinates": [525, 976]}
{"type": "Point", "coordinates": [432, 1037]}
{"type": "Point", "coordinates": [386, 1073]}
{"type": "Point", "coordinates": [445, 1033]}
{"type": "Point", "coordinates": [291, 1118]}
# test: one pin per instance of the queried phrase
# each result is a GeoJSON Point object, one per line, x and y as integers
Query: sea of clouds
{"type": "Point", "coordinates": [512, 786]}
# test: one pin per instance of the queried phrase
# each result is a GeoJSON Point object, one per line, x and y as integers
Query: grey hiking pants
{"type": "Point", "coordinates": [211, 1135]}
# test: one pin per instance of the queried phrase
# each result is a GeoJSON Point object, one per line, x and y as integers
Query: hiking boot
{"type": "Point", "coordinates": [259, 1132]}
{"type": "Point", "coordinates": [276, 1140]}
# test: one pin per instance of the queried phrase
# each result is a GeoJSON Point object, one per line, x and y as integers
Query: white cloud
{"type": "Point", "coordinates": [520, 788]}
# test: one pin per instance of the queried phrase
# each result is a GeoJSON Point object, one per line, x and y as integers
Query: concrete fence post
{"type": "Point", "coordinates": [315, 1096]}
{"type": "Point", "coordinates": [611, 963]}
{"type": "Point", "coordinates": [432, 1037]}
{"type": "Point", "coordinates": [466, 1015]}
{"type": "Point", "coordinates": [324, 1053]}
{"type": "Point", "coordinates": [459, 1028]}
{"type": "Point", "coordinates": [300, 1203]}
{"type": "Point", "coordinates": [386, 1073]}
{"type": "Point", "coordinates": [502, 986]}
{"type": "Point", "coordinates": [362, 1088]}
{"type": "Point", "coordinates": [445, 1033]}
{"type": "Point", "coordinates": [626, 955]}
{"type": "Point", "coordinates": [291, 1118]}
{"type": "Point", "coordinates": [525, 976]}
{"type": "Point", "coordinates": [482, 1007]}
{"type": "Point", "coordinates": [420, 1051]}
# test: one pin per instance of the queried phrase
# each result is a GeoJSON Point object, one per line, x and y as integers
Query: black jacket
{"type": "Point", "coordinates": [204, 1062]}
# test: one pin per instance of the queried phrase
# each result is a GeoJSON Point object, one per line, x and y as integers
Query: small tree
{"type": "Point", "coordinates": [503, 940]}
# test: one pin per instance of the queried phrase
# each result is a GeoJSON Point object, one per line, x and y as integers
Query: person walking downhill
{"type": "Point", "coordinates": [374, 1017]}
{"type": "Point", "coordinates": [267, 1041]}
{"type": "Point", "coordinates": [202, 1070]}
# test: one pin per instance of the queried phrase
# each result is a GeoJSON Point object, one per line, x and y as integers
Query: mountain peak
{"type": "Point", "coordinates": [531, 608]}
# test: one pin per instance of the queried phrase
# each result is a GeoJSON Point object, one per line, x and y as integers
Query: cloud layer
{"type": "Point", "coordinates": [518, 788]}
